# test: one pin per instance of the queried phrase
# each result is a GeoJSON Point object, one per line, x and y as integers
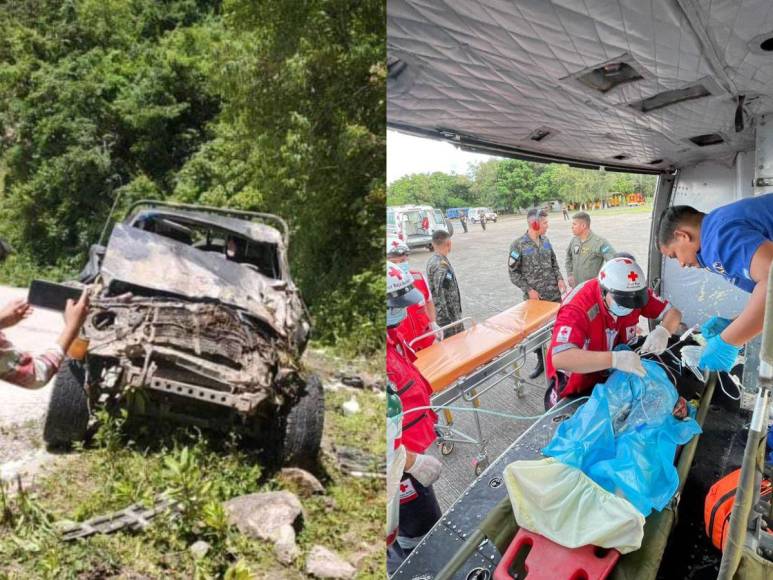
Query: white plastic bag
{"type": "Point", "coordinates": [563, 504]}
{"type": "Point", "coordinates": [395, 465]}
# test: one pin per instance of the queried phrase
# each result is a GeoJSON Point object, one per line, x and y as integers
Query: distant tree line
{"type": "Point", "coordinates": [510, 184]}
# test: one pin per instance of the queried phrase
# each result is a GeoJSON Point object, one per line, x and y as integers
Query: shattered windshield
{"type": "Point", "coordinates": [261, 256]}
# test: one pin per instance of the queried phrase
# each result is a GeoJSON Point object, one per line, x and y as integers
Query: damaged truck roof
{"type": "Point", "coordinates": [253, 231]}
{"type": "Point", "coordinates": [158, 263]}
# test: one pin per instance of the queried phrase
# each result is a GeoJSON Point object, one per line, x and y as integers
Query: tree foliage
{"type": "Point", "coordinates": [268, 106]}
{"type": "Point", "coordinates": [510, 184]}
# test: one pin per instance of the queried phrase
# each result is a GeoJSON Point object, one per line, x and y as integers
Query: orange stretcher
{"type": "Point", "coordinates": [458, 367]}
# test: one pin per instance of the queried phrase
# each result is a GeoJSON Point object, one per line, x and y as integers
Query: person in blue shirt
{"type": "Point", "coordinates": [736, 242]}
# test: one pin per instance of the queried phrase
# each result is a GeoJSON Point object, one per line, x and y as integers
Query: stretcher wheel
{"type": "Point", "coordinates": [446, 447]}
{"type": "Point", "coordinates": [480, 466]}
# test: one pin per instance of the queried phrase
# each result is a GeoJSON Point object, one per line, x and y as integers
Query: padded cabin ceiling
{"type": "Point", "coordinates": [618, 83]}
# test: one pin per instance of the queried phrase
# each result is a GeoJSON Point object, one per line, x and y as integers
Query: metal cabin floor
{"type": "Point", "coordinates": [690, 554]}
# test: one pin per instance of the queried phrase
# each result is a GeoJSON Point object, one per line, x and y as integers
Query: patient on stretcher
{"type": "Point", "coordinates": [625, 435]}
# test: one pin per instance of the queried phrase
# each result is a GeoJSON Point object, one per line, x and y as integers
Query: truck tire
{"type": "Point", "coordinates": [297, 431]}
{"type": "Point", "coordinates": [67, 418]}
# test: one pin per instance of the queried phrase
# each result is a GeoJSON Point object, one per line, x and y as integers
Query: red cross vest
{"type": "Point", "coordinates": [414, 391]}
{"type": "Point", "coordinates": [417, 320]}
{"type": "Point", "coordinates": [583, 321]}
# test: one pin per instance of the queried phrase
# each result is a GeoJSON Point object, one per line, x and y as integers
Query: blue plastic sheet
{"type": "Point", "coordinates": [625, 437]}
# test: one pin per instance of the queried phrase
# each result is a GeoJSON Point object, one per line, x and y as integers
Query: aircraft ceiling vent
{"type": "Point", "coordinates": [668, 98]}
{"type": "Point", "coordinates": [608, 76]}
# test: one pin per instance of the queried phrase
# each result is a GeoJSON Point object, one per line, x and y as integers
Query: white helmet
{"type": "Point", "coordinates": [624, 279]}
{"type": "Point", "coordinates": [401, 293]}
{"type": "Point", "coordinates": [396, 247]}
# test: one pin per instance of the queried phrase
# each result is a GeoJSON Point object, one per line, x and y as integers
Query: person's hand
{"type": "Point", "coordinates": [656, 341]}
{"type": "Point", "coordinates": [628, 362]}
{"type": "Point", "coordinates": [533, 294]}
{"type": "Point", "coordinates": [714, 326]}
{"type": "Point", "coordinates": [718, 355]}
{"type": "Point", "coordinates": [425, 469]}
{"type": "Point", "coordinates": [438, 333]}
{"type": "Point", "coordinates": [572, 281]}
{"type": "Point", "coordinates": [14, 312]}
{"type": "Point", "coordinates": [562, 286]}
{"type": "Point", "coordinates": [75, 312]}
{"type": "Point", "coordinates": [680, 410]}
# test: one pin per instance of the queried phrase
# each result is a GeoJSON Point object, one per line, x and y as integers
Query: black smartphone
{"type": "Point", "coordinates": [52, 296]}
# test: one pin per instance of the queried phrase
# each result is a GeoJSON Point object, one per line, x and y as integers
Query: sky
{"type": "Point", "coordinates": [407, 154]}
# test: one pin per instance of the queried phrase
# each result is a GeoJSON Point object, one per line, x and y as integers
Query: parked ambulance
{"type": "Point", "coordinates": [415, 224]}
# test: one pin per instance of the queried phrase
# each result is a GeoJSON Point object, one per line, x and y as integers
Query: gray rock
{"type": "Point", "coordinates": [284, 545]}
{"type": "Point", "coordinates": [199, 549]}
{"type": "Point", "coordinates": [333, 386]}
{"type": "Point", "coordinates": [373, 382]}
{"type": "Point", "coordinates": [322, 563]}
{"type": "Point", "coordinates": [306, 483]}
{"type": "Point", "coordinates": [260, 515]}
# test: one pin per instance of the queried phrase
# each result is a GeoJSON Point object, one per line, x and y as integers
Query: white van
{"type": "Point", "coordinates": [475, 214]}
{"type": "Point", "coordinates": [415, 224]}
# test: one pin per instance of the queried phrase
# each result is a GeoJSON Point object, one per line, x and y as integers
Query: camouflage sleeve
{"type": "Point", "coordinates": [436, 275]}
{"type": "Point", "coordinates": [607, 250]}
{"type": "Point", "coordinates": [569, 261]}
{"type": "Point", "coordinates": [515, 269]}
{"type": "Point", "coordinates": [554, 263]}
{"type": "Point", "coordinates": [25, 369]}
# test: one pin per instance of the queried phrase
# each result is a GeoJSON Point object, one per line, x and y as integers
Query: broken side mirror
{"type": "Point", "coordinates": [91, 269]}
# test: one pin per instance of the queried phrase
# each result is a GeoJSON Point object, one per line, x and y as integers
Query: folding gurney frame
{"type": "Point", "coordinates": [457, 368]}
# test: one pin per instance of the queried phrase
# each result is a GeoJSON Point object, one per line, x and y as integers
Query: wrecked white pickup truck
{"type": "Point", "coordinates": [195, 318]}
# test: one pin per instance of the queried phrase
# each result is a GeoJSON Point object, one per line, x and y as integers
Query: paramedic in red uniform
{"type": "Point", "coordinates": [419, 508]}
{"type": "Point", "coordinates": [420, 318]}
{"type": "Point", "coordinates": [594, 318]}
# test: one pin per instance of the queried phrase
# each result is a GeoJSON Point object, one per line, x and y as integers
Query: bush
{"type": "Point", "coordinates": [353, 316]}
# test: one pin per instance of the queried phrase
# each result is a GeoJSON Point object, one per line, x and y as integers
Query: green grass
{"type": "Point", "coordinates": [127, 465]}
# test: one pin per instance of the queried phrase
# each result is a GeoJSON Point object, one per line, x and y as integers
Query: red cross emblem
{"type": "Point", "coordinates": [633, 276]}
{"type": "Point", "coordinates": [603, 275]}
{"type": "Point", "coordinates": [403, 488]}
{"type": "Point", "coordinates": [396, 273]}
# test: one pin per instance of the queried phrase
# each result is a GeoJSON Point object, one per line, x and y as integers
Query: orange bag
{"type": "Point", "coordinates": [719, 506]}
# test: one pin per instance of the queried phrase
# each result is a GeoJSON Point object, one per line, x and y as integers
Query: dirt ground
{"type": "Point", "coordinates": [480, 261]}
{"type": "Point", "coordinates": [21, 410]}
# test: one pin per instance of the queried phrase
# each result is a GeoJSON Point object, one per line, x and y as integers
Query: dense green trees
{"type": "Point", "coordinates": [509, 184]}
{"type": "Point", "coordinates": [256, 105]}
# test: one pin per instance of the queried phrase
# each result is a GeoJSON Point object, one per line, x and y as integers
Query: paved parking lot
{"type": "Point", "coordinates": [480, 261]}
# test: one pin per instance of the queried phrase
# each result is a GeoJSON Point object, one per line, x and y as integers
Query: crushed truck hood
{"type": "Point", "coordinates": [154, 262]}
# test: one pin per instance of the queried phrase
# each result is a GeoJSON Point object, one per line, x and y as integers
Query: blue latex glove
{"type": "Point", "coordinates": [714, 326]}
{"type": "Point", "coordinates": [718, 355]}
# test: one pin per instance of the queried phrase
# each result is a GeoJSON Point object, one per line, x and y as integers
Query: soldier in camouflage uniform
{"type": "Point", "coordinates": [587, 252]}
{"type": "Point", "coordinates": [443, 284]}
{"type": "Point", "coordinates": [533, 267]}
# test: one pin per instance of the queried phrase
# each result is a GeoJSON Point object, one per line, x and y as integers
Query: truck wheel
{"type": "Point", "coordinates": [67, 418]}
{"type": "Point", "coordinates": [297, 431]}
